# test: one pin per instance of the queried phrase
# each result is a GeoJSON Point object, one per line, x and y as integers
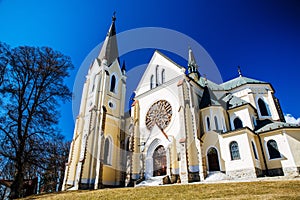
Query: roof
{"type": "Point", "coordinates": [233, 101]}
{"type": "Point", "coordinates": [208, 98]}
{"type": "Point", "coordinates": [241, 80]}
{"type": "Point", "coordinates": [227, 85]}
{"type": "Point", "coordinates": [276, 125]}
{"type": "Point", "coordinates": [211, 85]}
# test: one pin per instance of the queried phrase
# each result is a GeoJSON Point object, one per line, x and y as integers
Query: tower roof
{"type": "Point", "coordinates": [192, 60]}
{"type": "Point", "coordinates": [192, 65]}
{"type": "Point", "coordinates": [109, 50]}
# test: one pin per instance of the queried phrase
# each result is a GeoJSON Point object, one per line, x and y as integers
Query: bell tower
{"type": "Point", "coordinates": [95, 152]}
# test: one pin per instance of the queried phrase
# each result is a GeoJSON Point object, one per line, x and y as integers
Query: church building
{"type": "Point", "coordinates": [181, 126]}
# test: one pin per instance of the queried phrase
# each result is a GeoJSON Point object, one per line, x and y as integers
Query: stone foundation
{"type": "Point", "coordinates": [166, 180]}
{"type": "Point", "coordinates": [242, 174]}
{"type": "Point", "coordinates": [194, 177]}
{"type": "Point", "coordinates": [175, 178]}
{"type": "Point", "coordinates": [85, 186]}
{"type": "Point", "coordinates": [291, 171]}
{"type": "Point", "coordinates": [259, 172]}
{"type": "Point", "coordinates": [274, 172]}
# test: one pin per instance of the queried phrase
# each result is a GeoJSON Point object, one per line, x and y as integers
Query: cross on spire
{"type": "Point", "coordinates": [239, 71]}
{"type": "Point", "coordinates": [114, 16]}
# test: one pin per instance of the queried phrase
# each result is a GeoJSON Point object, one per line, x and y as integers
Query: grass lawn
{"type": "Point", "coordinates": [284, 189]}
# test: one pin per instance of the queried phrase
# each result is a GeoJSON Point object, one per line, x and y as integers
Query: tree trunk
{"type": "Point", "coordinates": [16, 187]}
{"type": "Point", "coordinates": [17, 184]}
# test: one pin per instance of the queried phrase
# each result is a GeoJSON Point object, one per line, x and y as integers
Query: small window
{"type": "Point", "coordinates": [107, 152]}
{"type": "Point", "coordinates": [216, 123]}
{"type": "Point", "coordinates": [254, 150]}
{"type": "Point", "coordinates": [113, 84]}
{"type": "Point", "coordinates": [151, 82]}
{"type": "Point", "coordinates": [156, 74]}
{"type": "Point", "coordinates": [110, 104]}
{"type": "Point", "coordinates": [208, 123]}
{"type": "Point", "coordinates": [273, 149]}
{"type": "Point", "coordinates": [93, 87]}
{"type": "Point", "coordinates": [254, 121]}
{"type": "Point", "coordinates": [234, 151]}
{"type": "Point", "coordinates": [237, 123]}
{"type": "Point", "coordinates": [163, 76]}
{"type": "Point", "coordinates": [224, 126]}
{"type": "Point", "coordinates": [262, 107]}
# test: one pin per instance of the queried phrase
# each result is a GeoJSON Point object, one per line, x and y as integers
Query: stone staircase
{"type": "Point", "coordinates": [216, 176]}
{"type": "Point", "coordinates": [213, 176]}
{"type": "Point", "coordinates": [152, 181]}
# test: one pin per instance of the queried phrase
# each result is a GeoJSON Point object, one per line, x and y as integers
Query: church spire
{"type": "Point", "coordinates": [192, 65]}
{"type": "Point", "coordinates": [109, 50]}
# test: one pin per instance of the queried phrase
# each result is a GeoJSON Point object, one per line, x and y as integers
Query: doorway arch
{"type": "Point", "coordinates": [213, 159]}
{"type": "Point", "coordinates": [159, 161]}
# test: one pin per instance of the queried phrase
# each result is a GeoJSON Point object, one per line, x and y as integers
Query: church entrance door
{"type": "Point", "coordinates": [213, 160]}
{"type": "Point", "coordinates": [159, 161]}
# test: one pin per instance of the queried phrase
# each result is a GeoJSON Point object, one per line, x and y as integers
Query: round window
{"type": "Point", "coordinates": [110, 104]}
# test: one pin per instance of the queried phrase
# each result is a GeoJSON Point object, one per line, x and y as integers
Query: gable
{"type": "Point", "coordinates": [159, 70]}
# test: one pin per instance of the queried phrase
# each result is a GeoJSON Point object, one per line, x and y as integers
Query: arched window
{"type": "Point", "coordinates": [207, 123]}
{"type": "Point", "coordinates": [94, 82]}
{"type": "Point", "coordinates": [216, 123]}
{"type": "Point", "coordinates": [224, 126]}
{"type": "Point", "coordinates": [107, 152]}
{"type": "Point", "coordinates": [273, 149]}
{"type": "Point", "coordinates": [234, 150]}
{"type": "Point", "coordinates": [254, 121]}
{"type": "Point", "coordinates": [254, 150]}
{"type": "Point", "coordinates": [156, 74]}
{"type": "Point", "coordinates": [127, 144]}
{"type": "Point", "coordinates": [237, 123]}
{"type": "Point", "coordinates": [113, 83]}
{"type": "Point", "coordinates": [151, 82]}
{"type": "Point", "coordinates": [163, 76]}
{"type": "Point", "coordinates": [262, 107]}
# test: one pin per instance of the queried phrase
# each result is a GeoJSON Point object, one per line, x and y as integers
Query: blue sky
{"type": "Point", "coordinates": [263, 37]}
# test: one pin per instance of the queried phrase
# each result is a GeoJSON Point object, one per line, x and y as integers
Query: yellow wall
{"type": "Point", "coordinates": [258, 163]}
{"type": "Point", "coordinates": [285, 146]}
{"type": "Point", "coordinates": [245, 161]}
{"type": "Point", "coordinates": [293, 138]}
{"type": "Point", "coordinates": [110, 175]}
{"type": "Point", "coordinates": [112, 130]}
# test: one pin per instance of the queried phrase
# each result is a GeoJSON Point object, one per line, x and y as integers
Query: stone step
{"type": "Point", "coordinates": [152, 181]}
{"type": "Point", "coordinates": [216, 176]}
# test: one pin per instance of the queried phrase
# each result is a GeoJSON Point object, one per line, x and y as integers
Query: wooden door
{"type": "Point", "coordinates": [159, 161]}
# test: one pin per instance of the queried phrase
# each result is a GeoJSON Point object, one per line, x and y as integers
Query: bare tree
{"type": "Point", "coordinates": [6, 174]}
{"type": "Point", "coordinates": [52, 176]}
{"type": "Point", "coordinates": [33, 85]}
{"type": "Point", "coordinates": [4, 53]}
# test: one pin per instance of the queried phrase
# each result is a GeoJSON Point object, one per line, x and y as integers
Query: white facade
{"type": "Point", "coordinates": [222, 130]}
{"type": "Point", "coordinates": [181, 126]}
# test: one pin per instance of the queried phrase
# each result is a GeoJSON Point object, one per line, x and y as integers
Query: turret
{"type": "Point", "coordinates": [192, 66]}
